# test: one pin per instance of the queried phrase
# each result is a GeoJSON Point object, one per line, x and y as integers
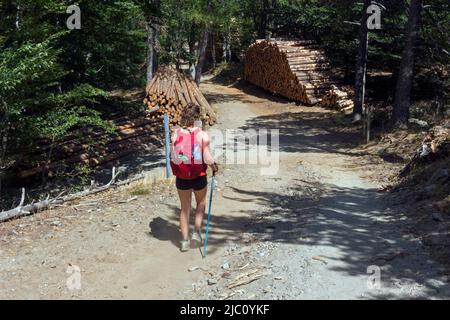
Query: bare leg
{"type": "Point", "coordinates": [200, 198]}
{"type": "Point", "coordinates": [185, 199]}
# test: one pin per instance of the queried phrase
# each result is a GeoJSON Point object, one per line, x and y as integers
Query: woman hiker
{"type": "Point", "coordinates": [190, 157]}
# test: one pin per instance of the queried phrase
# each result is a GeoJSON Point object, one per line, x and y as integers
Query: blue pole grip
{"type": "Point", "coordinates": [167, 133]}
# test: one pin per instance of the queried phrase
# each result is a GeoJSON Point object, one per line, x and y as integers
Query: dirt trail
{"type": "Point", "coordinates": [311, 231]}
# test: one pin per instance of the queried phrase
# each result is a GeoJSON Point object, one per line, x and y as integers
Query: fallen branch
{"type": "Point", "coordinates": [241, 268]}
{"type": "Point", "coordinates": [317, 258]}
{"type": "Point", "coordinates": [232, 294]}
{"type": "Point", "coordinates": [245, 281]}
{"type": "Point", "coordinates": [128, 201]}
{"type": "Point", "coordinates": [247, 274]}
{"type": "Point", "coordinates": [21, 210]}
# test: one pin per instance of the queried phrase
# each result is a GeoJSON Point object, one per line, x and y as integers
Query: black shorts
{"type": "Point", "coordinates": [197, 184]}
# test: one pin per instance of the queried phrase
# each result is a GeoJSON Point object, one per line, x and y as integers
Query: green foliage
{"type": "Point", "coordinates": [26, 70]}
{"type": "Point", "coordinates": [79, 177]}
{"type": "Point", "coordinates": [26, 73]}
{"type": "Point", "coordinates": [31, 105]}
{"type": "Point", "coordinates": [56, 123]}
{"type": "Point", "coordinates": [109, 49]}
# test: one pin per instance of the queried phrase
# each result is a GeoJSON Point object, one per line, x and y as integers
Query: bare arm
{"type": "Point", "coordinates": [207, 157]}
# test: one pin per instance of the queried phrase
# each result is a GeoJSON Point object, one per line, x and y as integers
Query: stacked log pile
{"type": "Point", "coordinates": [297, 70]}
{"type": "Point", "coordinates": [99, 147]}
{"type": "Point", "coordinates": [337, 100]}
{"type": "Point", "coordinates": [170, 92]}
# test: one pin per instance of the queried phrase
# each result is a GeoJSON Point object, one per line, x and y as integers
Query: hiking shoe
{"type": "Point", "coordinates": [185, 246]}
{"type": "Point", "coordinates": [197, 237]}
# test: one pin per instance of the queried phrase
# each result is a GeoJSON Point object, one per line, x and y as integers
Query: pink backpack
{"type": "Point", "coordinates": [187, 155]}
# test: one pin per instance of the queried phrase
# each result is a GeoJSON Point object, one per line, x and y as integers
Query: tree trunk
{"type": "Point", "coordinates": [192, 51]}
{"type": "Point", "coordinates": [224, 48]}
{"type": "Point", "coordinates": [47, 163]}
{"type": "Point", "coordinates": [17, 23]}
{"type": "Point", "coordinates": [226, 39]}
{"type": "Point", "coordinates": [151, 51]}
{"type": "Point", "coordinates": [262, 29]}
{"type": "Point", "coordinates": [201, 56]}
{"type": "Point", "coordinates": [213, 50]}
{"type": "Point", "coordinates": [3, 143]}
{"type": "Point", "coordinates": [179, 48]}
{"type": "Point", "coordinates": [361, 64]}
{"type": "Point", "coordinates": [4, 129]}
{"type": "Point", "coordinates": [270, 18]}
{"type": "Point", "coordinates": [405, 78]}
{"type": "Point", "coordinates": [153, 29]}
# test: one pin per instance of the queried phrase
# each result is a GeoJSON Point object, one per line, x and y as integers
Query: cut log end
{"type": "Point", "coordinates": [295, 69]}
{"type": "Point", "coordinates": [170, 92]}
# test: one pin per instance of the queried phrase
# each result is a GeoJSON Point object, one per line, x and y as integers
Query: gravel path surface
{"type": "Point", "coordinates": [317, 229]}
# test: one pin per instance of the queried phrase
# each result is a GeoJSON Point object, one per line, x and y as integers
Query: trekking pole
{"type": "Point", "coordinates": [209, 215]}
{"type": "Point", "coordinates": [167, 133]}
